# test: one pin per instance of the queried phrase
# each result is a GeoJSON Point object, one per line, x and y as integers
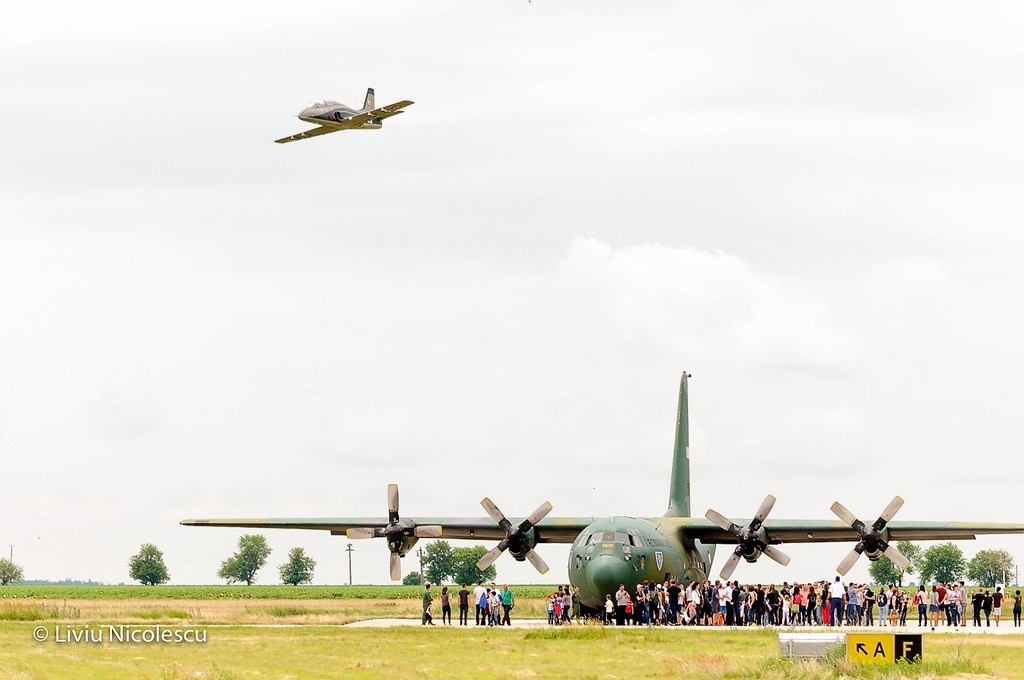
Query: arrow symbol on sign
{"type": "Point", "coordinates": [861, 649]}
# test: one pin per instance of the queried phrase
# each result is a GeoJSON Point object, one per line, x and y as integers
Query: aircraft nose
{"type": "Point", "coordinates": [606, 572]}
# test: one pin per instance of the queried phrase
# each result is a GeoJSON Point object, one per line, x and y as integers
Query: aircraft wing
{"type": "Point", "coordinates": [833, 531]}
{"type": "Point", "coordinates": [548, 530]}
{"type": "Point", "coordinates": [315, 132]}
{"type": "Point", "coordinates": [390, 109]}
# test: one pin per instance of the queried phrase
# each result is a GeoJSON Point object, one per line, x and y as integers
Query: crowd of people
{"type": "Point", "coordinates": [493, 606]}
{"type": "Point", "coordinates": [809, 604]}
{"type": "Point", "coordinates": [730, 604]}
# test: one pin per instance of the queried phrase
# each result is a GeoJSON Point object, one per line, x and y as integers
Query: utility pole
{"type": "Point", "coordinates": [12, 552]}
{"type": "Point", "coordinates": [349, 551]}
{"type": "Point", "coordinates": [419, 554]}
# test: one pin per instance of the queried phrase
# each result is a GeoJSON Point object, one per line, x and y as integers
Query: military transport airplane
{"type": "Point", "coordinates": [608, 551]}
{"type": "Point", "coordinates": [331, 116]}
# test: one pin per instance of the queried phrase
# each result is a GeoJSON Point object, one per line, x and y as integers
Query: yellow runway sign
{"type": "Point", "coordinates": [882, 648]}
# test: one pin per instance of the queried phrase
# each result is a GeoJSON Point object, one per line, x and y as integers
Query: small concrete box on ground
{"type": "Point", "coordinates": [811, 645]}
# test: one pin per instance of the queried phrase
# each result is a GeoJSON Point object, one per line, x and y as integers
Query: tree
{"type": "Point", "coordinates": [464, 565]}
{"type": "Point", "coordinates": [147, 566]}
{"type": "Point", "coordinates": [884, 572]}
{"type": "Point", "coordinates": [944, 562]}
{"type": "Point", "coordinates": [438, 562]}
{"type": "Point", "coordinates": [252, 554]}
{"type": "Point", "coordinates": [989, 567]}
{"type": "Point", "coordinates": [412, 579]}
{"type": "Point", "coordinates": [9, 572]}
{"type": "Point", "coordinates": [298, 569]}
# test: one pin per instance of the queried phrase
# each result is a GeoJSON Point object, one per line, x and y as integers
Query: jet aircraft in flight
{"type": "Point", "coordinates": [331, 116]}
{"type": "Point", "coordinates": [608, 551]}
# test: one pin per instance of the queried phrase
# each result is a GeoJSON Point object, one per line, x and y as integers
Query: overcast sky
{"type": "Point", "coordinates": [814, 208]}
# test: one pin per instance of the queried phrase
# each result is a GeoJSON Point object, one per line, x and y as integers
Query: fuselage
{"type": "Point", "coordinates": [628, 551]}
{"type": "Point", "coordinates": [334, 112]}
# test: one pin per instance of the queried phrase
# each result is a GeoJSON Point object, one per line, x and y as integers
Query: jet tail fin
{"type": "Point", "coordinates": [368, 102]}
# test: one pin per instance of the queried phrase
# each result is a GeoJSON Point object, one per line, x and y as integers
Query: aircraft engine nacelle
{"type": "Point", "coordinates": [873, 549]}
{"type": "Point", "coordinates": [520, 547]}
{"type": "Point", "coordinates": [403, 545]}
{"type": "Point", "coordinates": [751, 553]}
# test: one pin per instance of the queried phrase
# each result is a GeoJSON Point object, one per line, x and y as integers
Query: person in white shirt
{"type": "Point", "coordinates": [481, 616]}
{"type": "Point", "coordinates": [835, 595]}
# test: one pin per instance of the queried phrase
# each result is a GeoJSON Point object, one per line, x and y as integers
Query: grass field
{"type": "Point", "coordinates": [266, 634]}
{"type": "Point", "coordinates": [581, 652]}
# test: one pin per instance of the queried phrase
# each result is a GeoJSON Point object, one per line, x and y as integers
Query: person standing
{"type": "Point", "coordinates": [773, 603]}
{"type": "Point", "coordinates": [621, 600]}
{"type": "Point", "coordinates": [446, 607]}
{"type": "Point", "coordinates": [882, 600]}
{"type": "Point", "coordinates": [853, 605]}
{"type": "Point", "coordinates": [428, 601]}
{"type": "Point", "coordinates": [933, 606]}
{"type": "Point", "coordinates": [483, 605]}
{"type": "Point", "coordinates": [464, 606]}
{"type": "Point", "coordinates": [508, 601]}
{"type": "Point", "coordinates": [609, 610]}
{"type": "Point", "coordinates": [576, 604]}
{"type": "Point", "coordinates": [812, 605]}
{"type": "Point", "coordinates": [997, 604]}
{"type": "Point", "coordinates": [986, 607]}
{"type": "Point", "coordinates": [478, 599]}
{"type": "Point", "coordinates": [977, 601]}
{"type": "Point", "coordinates": [869, 606]}
{"type": "Point", "coordinates": [943, 595]}
{"type": "Point", "coordinates": [673, 602]}
{"type": "Point", "coordinates": [835, 596]}
{"type": "Point", "coordinates": [1016, 609]}
{"type": "Point", "coordinates": [921, 600]}
{"type": "Point", "coordinates": [567, 605]}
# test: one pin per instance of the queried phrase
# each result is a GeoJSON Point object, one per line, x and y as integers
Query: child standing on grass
{"type": "Point", "coordinates": [609, 609]}
{"type": "Point", "coordinates": [557, 604]}
{"type": "Point", "coordinates": [551, 611]}
{"type": "Point", "coordinates": [495, 607]}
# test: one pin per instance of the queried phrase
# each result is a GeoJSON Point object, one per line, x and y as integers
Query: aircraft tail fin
{"type": "Point", "coordinates": [368, 102]}
{"type": "Point", "coordinates": [679, 484]}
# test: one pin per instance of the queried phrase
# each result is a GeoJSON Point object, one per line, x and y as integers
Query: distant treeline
{"type": "Point", "coordinates": [65, 582]}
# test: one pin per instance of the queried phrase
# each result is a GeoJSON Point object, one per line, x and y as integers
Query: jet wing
{"type": "Point", "coordinates": [548, 530]}
{"type": "Point", "coordinates": [833, 531]}
{"type": "Point", "coordinates": [390, 109]}
{"type": "Point", "coordinates": [315, 132]}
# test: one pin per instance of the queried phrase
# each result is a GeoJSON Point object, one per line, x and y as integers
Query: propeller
{"type": "Point", "coordinates": [515, 536]}
{"type": "Point", "coordinates": [396, 532]}
{"type": "Point", "coordinates": [872, 537]}
{"type": "Point", "coordinates": [751, 538]}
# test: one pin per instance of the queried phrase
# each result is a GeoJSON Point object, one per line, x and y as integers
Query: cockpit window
{"type": "Point", "coordinates": [612, 537]}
